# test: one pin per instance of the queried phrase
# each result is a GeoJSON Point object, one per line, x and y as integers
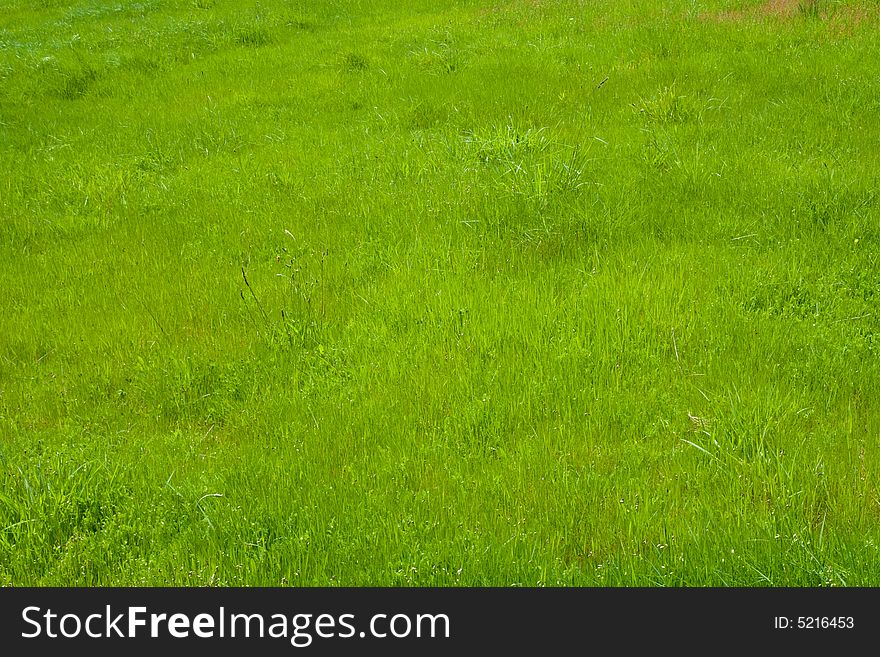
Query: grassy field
{"type": "Point", "coordinates": [440, 293]}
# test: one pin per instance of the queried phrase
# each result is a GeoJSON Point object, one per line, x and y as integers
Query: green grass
{"type": "Point", "coordinates": [439, 293]}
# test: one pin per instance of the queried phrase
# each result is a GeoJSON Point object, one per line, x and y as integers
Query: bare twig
{"type": "Point", "coordinates": [251, 290]}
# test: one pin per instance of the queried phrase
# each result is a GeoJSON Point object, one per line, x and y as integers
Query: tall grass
{"type": "Point", "coordinates": [453, 293]}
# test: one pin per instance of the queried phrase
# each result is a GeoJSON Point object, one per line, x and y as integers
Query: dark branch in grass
{"type": "Point", "coordinates": [152, 316]}
{"type": "Point", "coordinates": [251, 290]}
